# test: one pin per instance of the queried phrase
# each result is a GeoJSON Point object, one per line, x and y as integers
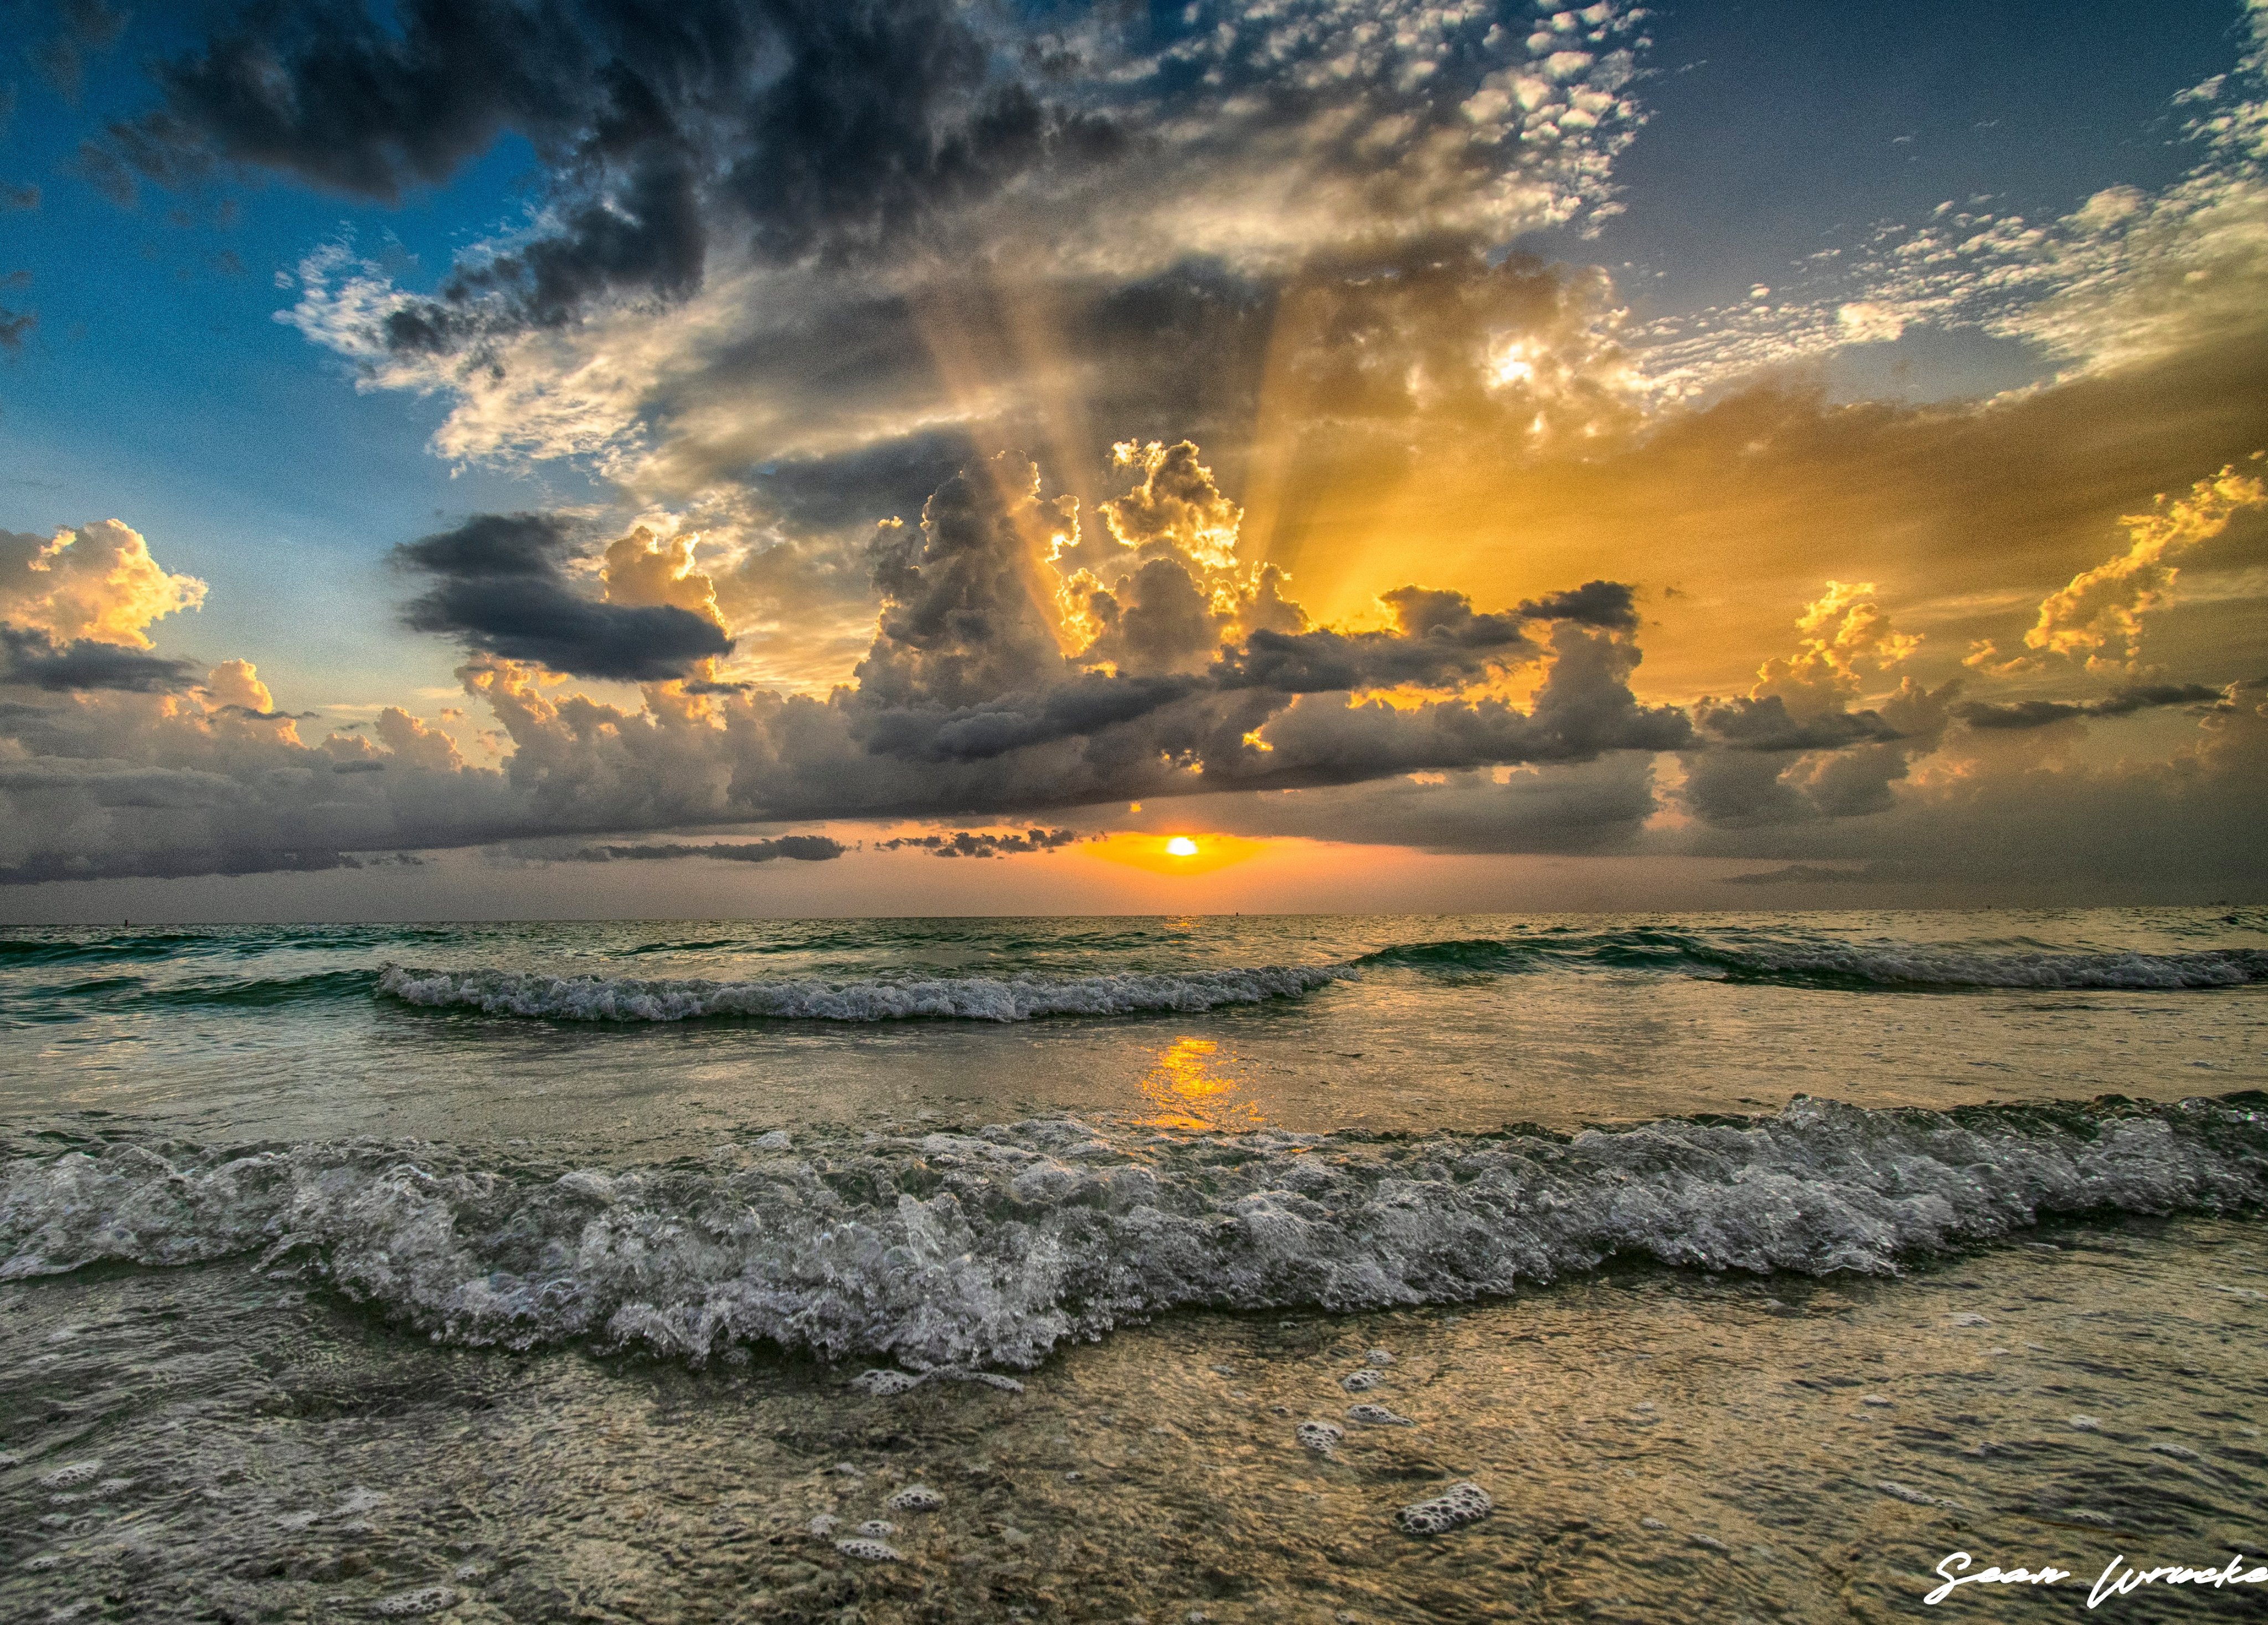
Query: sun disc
{"type": "Point", "coordinates": [1182, 846]}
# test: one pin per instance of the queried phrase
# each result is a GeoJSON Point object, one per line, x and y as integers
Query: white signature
{"type": "Point", "coordinates": [2109, 1583]}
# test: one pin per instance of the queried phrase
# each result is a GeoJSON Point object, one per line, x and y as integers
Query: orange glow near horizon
{"type": "Point", "coordinates": [1172, 854]}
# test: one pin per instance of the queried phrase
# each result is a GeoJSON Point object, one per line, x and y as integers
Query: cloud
{"type": "Point", "coordinates": [993, 683]}
{"type": "Point", "coordinates": [802, 848]}
{"type": "Point", "coordinates": [983, 843]}
{"type": "Point", "coordinates": [502, 587]}
{"type": "Point", "coordinates": [976, 694]}
{"type": "Point", "coordinates": [788, 131]}
{"type": "Point", "coordinates": [34, 660]}
{"type": "Point", "coordinates": [2097, 618]}
{"type": "Point", "coordinates": [85, 28]}
{"type": "Point", "coordinates": [97, 581]}
{"type": "Point", "coordinates": [2029, 713]}
{"type": "Point", "coordinates": [1793, 749]}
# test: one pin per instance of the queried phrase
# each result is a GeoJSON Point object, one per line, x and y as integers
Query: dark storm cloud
{"type": "Point", "coordinates": [801, 126]}
{"type": "Point", "coordinates": [856, 488]}
{"type": "Point", "coordinates": [1609, 604]}
{"type": "Point", "coordinates": [983, 843]}
{"type": "Point", "coordinates": [1086, 705]}
{"type": "Point", "coordinates": [1438, 640]}
{"type": "Point", "coordinates": [1766, 724]}
{"type": "Point", "coordinates": [503, 588]}
{"type": "Point", "coordinates": [2028, 713]}
{"type": "Point", "coordinates": [802, 848]}
{"type": "Point", "coordinates": [34, 660]}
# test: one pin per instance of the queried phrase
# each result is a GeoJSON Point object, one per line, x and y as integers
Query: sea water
{"type": "Point", "coordinates": [1734, 1265]}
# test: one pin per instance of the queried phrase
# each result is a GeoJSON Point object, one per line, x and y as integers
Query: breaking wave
{"type": "Point", "coordinates": [1016, 998]}
{"type": "Point", "coordinates": [1823, 963]}
{"type": "Point", "coordinates": [993, 1247]}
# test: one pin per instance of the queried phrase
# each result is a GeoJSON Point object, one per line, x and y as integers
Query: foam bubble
{"type": "Point", "coordinates": [877, 1528]}
{"type": "Point", "coordinates": [1462, 1503]}
{"type": "Point", "coordinates": [1902, 1492]}
{"type": "Point", "coordinates": [915, 1498]}
{"type": "Point", "coordinates": [72, 1474]}
{"type": "Point", "coordinates": [885, 1383]}
{"type": "Point", "coordinates": [1380, 1356]}
{"type": "Point", "coordinates": [1359, 1382]}
{"type": "Point", "coordinates": [824, 1524]}
{"type": "Point", "coordinates": [1377, 1416]}
{"type": "Point", "coordinates": [1321, 1436]}
{"type": "Point", "coordinates": [424, 1599]}
{"type": "Point", "coordinates": [869, 1551]}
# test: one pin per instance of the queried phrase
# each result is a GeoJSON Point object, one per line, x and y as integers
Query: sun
{"type": "Point", "coordinates": [1182, 846]}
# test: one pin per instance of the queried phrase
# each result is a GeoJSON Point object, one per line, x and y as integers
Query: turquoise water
{"type": "Point", "coordinates": [954, 1201]}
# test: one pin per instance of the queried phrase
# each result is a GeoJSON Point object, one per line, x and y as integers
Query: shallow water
{"type": "Point", "coordinates": [1466, 1023]}
{"type": "Point", "coordinates": [539, 1273]}
{"type": "Point", "coordinates": [1658, 1445]}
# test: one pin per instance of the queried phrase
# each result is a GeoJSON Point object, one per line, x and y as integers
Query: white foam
{"type": "Point", "coordinates": [424, 1599]}
{"type": "Point", "coordinates": [1377, 1416]}
{"type": "Point", "coordinates": [915, 1498]}
{"type": "Point", "coordinates": [869, 1550]}
{"type": "Point", "coordinates": [1322, 1437]}
{"type": "Point", "coordinates": [1460, 1503]}
{"type": "Point", "coordinates": [882, 1384]}
{"type": "Point", "coordinates": [1051, 1230]}
{"type": "Point", "coordinates": [971, 998]}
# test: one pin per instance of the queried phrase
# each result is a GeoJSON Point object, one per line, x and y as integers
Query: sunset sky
{"type": "Point", "coordinates": [588, 457]}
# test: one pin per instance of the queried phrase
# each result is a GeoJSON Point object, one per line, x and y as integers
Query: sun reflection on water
{"type": "Point", "coordinates": [1191, 1088]}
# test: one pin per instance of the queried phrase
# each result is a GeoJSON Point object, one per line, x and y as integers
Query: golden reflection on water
{"type": "Point", "coordinates": [1192, 1087]}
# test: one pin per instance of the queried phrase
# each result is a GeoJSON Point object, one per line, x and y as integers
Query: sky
{"type": "Point", "coordinates": [542, 458]}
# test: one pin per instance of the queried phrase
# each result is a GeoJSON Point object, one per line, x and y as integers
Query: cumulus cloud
{"type": "Point", "coordinates": [501, 585]}
{"type": "Point", "coordinates": [989, 684]}
{"type": "Point", "coordinates": [1794, 748]}
{"type": "Point", "coordinates": [97, 581]}
{"type": "Point", "coordinates": [2097, 618]}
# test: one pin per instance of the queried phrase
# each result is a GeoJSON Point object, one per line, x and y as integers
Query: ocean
{"type": "Point", "coordinates": [1252, 1268]}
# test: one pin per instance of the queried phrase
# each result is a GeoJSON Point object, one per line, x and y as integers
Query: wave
{"type": "Point", "coordinates": [1827, 963]}
{"type": "Point", "coordinates": [993, 1248]}
{"type": "Point", "coordinates": [59, 1001]}
{"type": "Point", "coordinates": [874, 999]}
